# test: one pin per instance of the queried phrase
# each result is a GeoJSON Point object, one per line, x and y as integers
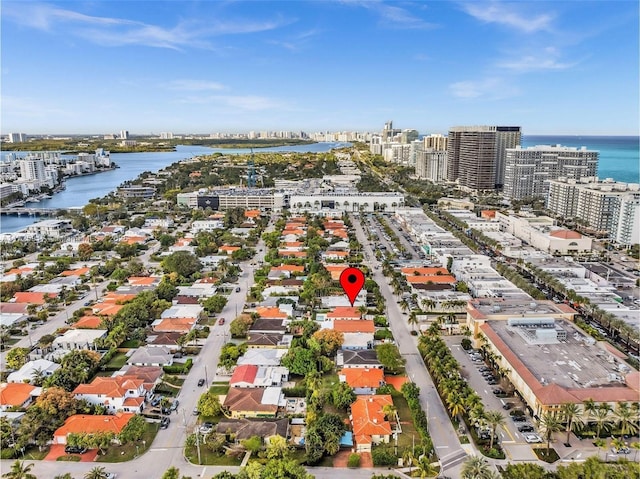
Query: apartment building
{"type": "Point", "coordinates": [528, 170]}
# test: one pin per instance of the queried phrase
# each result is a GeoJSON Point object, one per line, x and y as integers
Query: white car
{"type": "Point", "coordinates": [531, 437]}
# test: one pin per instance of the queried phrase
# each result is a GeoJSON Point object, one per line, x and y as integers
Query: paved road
{"type": "Point", "coordinates": [443, 435]}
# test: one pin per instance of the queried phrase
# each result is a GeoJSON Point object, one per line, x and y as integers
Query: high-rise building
{"type": "Point", "coordinates": [388, 132]}
{"type": "Point", "coordinates": [17, 137]}
{"type": "Point", "coordinates": [32, 169]}
{"type": "Point", "coordinates": [431, 164]}
{"type": "Point", "coordinates": [124, 135]}
{"type": "Point", "coordinates": [476, 155]}
{"type": "Point", "coordinates": [607, 207]}
{"type": "Point", "coordinates": [407, 136]}
{"type": "Point", "coordinates": [435, 142]}
{"type": "Point", "coordinates": [528, 170]}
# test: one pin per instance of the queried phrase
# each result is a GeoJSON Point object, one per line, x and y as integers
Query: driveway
{"type": "Point", "coordinates": [57, 450]}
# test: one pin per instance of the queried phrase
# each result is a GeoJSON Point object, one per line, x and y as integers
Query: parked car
{"type": "Point", "coordinates": [498, 391]}
{"type": "Point", "coordinates": [221, 321]}
{"type": "Point", "coordinates": [75, 449]}
{"type": "Point", "coordinates": [200, 382]}
{"type": "Point", "coordinates": [175, 405]}
{"type": "Point", "coordinates": [110, 475]}
{"type": "Point", "coordinates": [206, 428]}
{"type": "Point", "coordinates": [532, 438]}
{"type": "Point", "coordinates": [156, 401]}
{"type": "Point", "coordinates": [195, 411]}
{"type": "Point", "coordinates": [164, 423]}
{"type": "Point", "coordinates": [526, 428]}
{"type": "Point", "coordinates": [238, 289]}
{"type": "Point", "coordinates": [518, 418]}
{"type": "Point", "coordinates": [507, 406]}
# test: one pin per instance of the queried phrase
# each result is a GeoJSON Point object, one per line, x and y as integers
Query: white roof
{"type": "Point", "coordinates": [182, 311]}
{"type": "Point", "coordinates": [262, 357]}
{"type": "Point", "coordinates": [26, 371]}
{"type": "Point", "coordinates": [7, 319]}
{"type": "Point", "coordinates": [80, 336]}
{"type": "Point", "coordinates": [272, 395]}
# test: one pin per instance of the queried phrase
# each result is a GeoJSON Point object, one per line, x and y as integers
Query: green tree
{"type": "Point", "coordinates": [424, 467]}
{"type": "Point", "coordinates": [494, 419]}
{"type": "Point", "coordinates": [171, 473]}
{"type": "Point", "coordinates": [390, 357]}
{"type": "Point", "coordinates": [253, 444]}
{"type": "Point", "coordinates": [209, 404]}
{"type": "Point", "coordinates": [166, 290]}
{"type": "Point", "coordinates": [20, 470]}
{"type": "Point", "coordinates": [17, 357]}
{"type": "Point", "coordinates": [277, 448]}
{"type": "Point", "coordinates": [182, 262]}
{"type": "Point", "coordinates": [214, 304]}
{"type": "Point", "coordinates": [526, 469]}
{"type": "Point", "coordinates": [476, 467]}
{"type": "Point", "coordinates": [328, 340]}
{"type": "Point", "coordinates": [572, 416]}
{"type": "Point", "coordinates": [300, 361]}
{"type": "Point", "coordinates": [133, 430]}
{"type": "Point", "coordinates": [240, 326]}
{"type": "Point", "coordinates": [342, 396]}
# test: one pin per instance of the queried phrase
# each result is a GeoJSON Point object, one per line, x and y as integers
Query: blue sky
{"type": "Point", "coordinates": [232, 66]}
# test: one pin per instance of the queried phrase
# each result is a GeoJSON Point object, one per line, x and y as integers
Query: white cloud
{"type": "Point", "coordinates": [547, 59]}
{"type": "Point", "coordinates": [238, 102]}
{"type": "Point", "coordinates": [194, 85]}
{"type": "Point", "coordinates": [392, 16]}
{"type": "Point", "coordinates": [486, 89]}
{"type": "Point", "coordinates": [509, 15]}
{"type": "Point", "coordinates": [120, 32]}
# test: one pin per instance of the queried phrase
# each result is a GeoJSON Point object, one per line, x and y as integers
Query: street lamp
{"type": "Point", "coordinates": [206, 376]}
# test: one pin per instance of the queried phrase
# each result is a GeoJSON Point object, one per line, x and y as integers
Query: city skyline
{"type": "Point", "coordinates": [198, 67]}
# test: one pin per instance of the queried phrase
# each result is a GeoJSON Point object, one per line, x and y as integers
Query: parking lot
{"type": "Point", "coordinates": [516, 444]}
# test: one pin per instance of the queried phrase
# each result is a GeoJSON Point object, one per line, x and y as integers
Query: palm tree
{"type": "Point", "coordinates": [20, 470]}
{"type": "Point", "coordinates": [425, 468]}
{"type": "Point", "coordinates": [601, 418]}
{"type": "Point", "coordinates": [626, 418]}
{"type": "Point", "coordinates": [495, 419]}
{"type": "Point", "coordinates": [636, 446]}
{"type": "Point", "coordinates": [97, 472]}
{"type": "Point", "coordinates": [476, 468]}
{"type": "Point", "coordinates": [389, 410]}
{"type": "Point", "coordinates": [407, 458]}
{"type": "Point", "coordinates": [428, 304]}
{"type": "Point", "coordinates": [413, 320]}
{"type": "Point", "coordinates": [571, 415]}
{"type": "Point", "coordinates": [549, 425]}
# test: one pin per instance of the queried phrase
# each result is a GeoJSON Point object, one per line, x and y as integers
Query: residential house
{"type": "Point", "coordinates": [361, 358]}
{"type": "Point", "coordinates": [17, 395]}
{"type": "Point", "coordinates": [31, 369]}
{"type": "Point", "coordinates": [262, 357]}
{"type": "Point", "coordinates": [236, 430]}
{"type": "Point", "coordinates": [268, 340]}
{"type": "Point", "coordinates": [119, 393]}
{"type": "Point", "coordinates": [151, 356]}
{"type": "Point", "coordinates": [368, 421]}
{"type": "Point", "coordinates": [269, 326]}
{"type": "Point", "coordinates": [362, 380]}
{"type": "Point", "coordinates": [168, 340]}
{"type": "Point", "coordinates": [256, 402]}
{"type": "Point", "coordinates": [30, 297]}
{"type": "Point", "coordinates": [88, 322]}
{"type": "Point", "coordinates": [78, 339]}
{"type": "Point", "coordinates": [173, 325]}
{"type": "Point", "coordinates": [344, 313]}
{"type": "Point", "coordinates": [88, 424]}
{"type": "Point", "coordinates": [252, 376]}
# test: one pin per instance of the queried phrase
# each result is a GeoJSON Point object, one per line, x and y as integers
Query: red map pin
{"type": "Point", "coordinates": [352, 281]}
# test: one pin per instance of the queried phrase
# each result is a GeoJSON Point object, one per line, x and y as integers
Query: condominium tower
{"type": "Point", "coordinates": [476, 155]}
{"type": "Point", "coordinates": [528, 170]}
{"type": "Point", "coordinates": [608, 207]}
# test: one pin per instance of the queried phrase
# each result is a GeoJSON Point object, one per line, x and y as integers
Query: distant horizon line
{"type": "Point", "coordinates": [318, 132]}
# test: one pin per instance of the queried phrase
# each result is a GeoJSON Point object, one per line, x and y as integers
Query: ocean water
{"type": "Point", "coordinates": [619, 155]}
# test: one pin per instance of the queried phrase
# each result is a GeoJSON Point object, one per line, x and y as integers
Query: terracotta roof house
{"type": "Point", "coordinates": [13, 308]}
{"type": "Point", "coordinates": [150, 281]}
{"type": "Point", "coordinates": [362, 380]}
{"type": "Point", "coordinates": [335, 270]}
{"type": "Point", "coordinates": [424, 271]}
{"type": "Point", "coordinates": [119, 393]}
{"type": "Point", "coordinates": [347, 313]}
{"type": "Point", "coordinates": [228, 249]}
{"type": "Point", "coordinates": [270, 313]}
{"type": "Point", "coordinates": [252, 213]}
{"type": "Point", "coordinates": [354, 325]}
{"type": "Point", "coordinates": [174, 325]}
{"type": "Point", "coordinates": [88, 322]}
{"type": "Point", "coordinates": [18, 395]}
{"type": "Point", "coordinates": [106, 309]}
{"type": "Point", "coordinates": [368, 421]}
{"type": "Point", "coordinates": [256, 402]}
{"type": "Point", "coordinates": [335, 255]}
{"type": "Point", "coordinates": [284, 253]}
{"type": "Point", "coordinates": [252, 376]}
{"type": "Point", "coordinates": [87, 424]}
{"type": "Point", "coordinates": [150, 375]}
{"type": "Point", "coordinates": [291, 268]}
{"type": "Point", "coordinates": [31, 297]}
{"type": "Point", "coordinates": [75, 272]}
{"type": "Point", "coordinates": [243, 376]}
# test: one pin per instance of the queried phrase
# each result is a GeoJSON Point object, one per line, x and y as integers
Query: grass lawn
{"type": "Point", "coordinates": [219, 388]}
{"type": "Point", "coordinates": [35, 454]}
{"type": "Point", "coordinates": [116, 363]}
{"type": "Point", "coordinates": [131, 343]}
{"type": "Point", "coordinates": [166, 389]}
{"type": "Point", "coordinates": [409, 432]}
{"type": "Point", "coordinates": [541, 452]}
{"type": "Point", "coordinates": [329, 381]}
{"type": "Point", "coordinates": [210, 458]}
{"type": "Point", "coordinates": [128, 451]}
{"type": "Point", "coordinates": [69, 458]}
{"type": "Point", "coordinates": [173, 380]}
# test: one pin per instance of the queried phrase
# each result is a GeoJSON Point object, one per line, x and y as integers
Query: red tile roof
{"type": "Point", "coordinates": [340, 312]}
{"type": "Point", "coordinates": [354, 325]}
{"type": "Point", "coordinates": [110, 387]}
{"type": "Point", "coordinates": [31, 297]}
{"type": "Point", "coordinates": [270, 312]}
{"type": "Point", "coordinates": [368, 418]}
{"type": "Point", "coordinates": [75, 272]}
{"type": "Point", "coordinates": [245, 373]}
{"type": "Point", "coordinates": [565, 234]}
{"type": "Point", "coordinates": [85, 423]}
{"type": "Point", "coordinates": [362, 377]}
{"type": "Point", "coordinates": [15, 394]}
{"type": "Point", "coordinates": [424, 271]}
{"type": "Point", "coordinates": [88, 322]}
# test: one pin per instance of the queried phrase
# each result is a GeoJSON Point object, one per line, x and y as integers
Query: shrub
{"type": "Point", "coordinates": [383, 457]}
{"type": "Point", "coordinates": [354, 460]}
